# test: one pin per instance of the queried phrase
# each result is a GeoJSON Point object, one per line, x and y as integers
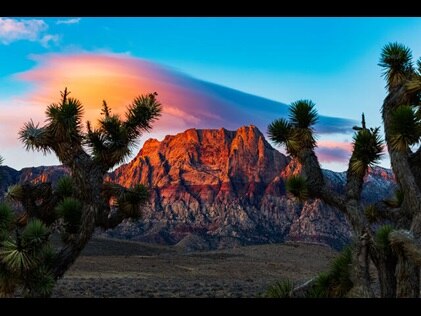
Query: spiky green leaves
{"type": "Point", "coordinates": [15, 192]}
{"type": "Point", "coordinates": [281, 289]}
{"type": "Point", "coordinates": [21, 254]}
{"type": "Point", "coordinates": [280, 131]}
{"type": "Point", "coordinates": [337, 281]}
{"type": "Point", "coordinates": [297, 133]}
{"type": "Point", "coordinates": [6, 216]}
{"type": "Point", "coordinates": [405, 128]}
{"type": "Point", "coordinates": [65, 119]}
{"type": "Point", "coordinates": [130, 200]}
{"type": "Point", "coordinates": [303, 114]}
{"type": "Point", "coordinates": [39, 283]}
{"type": "Point", "coordinates": [111, 143]}
{"type": "Point", "coordinates": [15, 256]}
{"type": "Point", "coordinates": [65, 187]}
{"type": "Point", "coordinates": [34, 137]}
{"type": "Point", "coordinates": [396, 200]}
{"type": "Point", "coordinates": [396, 59]}
{"type": "Point", "coordinates": [140, 115]}
{"type": "Point", "coordinates": [382, 238]}
{"type": "Point", "coordinates": [35, 234]}
{"type": "Point", "coordinates": [70, 210]}
{"type": "Point", "coordinates": [297, 186]}
{"type": "Point", "coordinates": [368, 147]}
{"type": "Point", "coordinates": [26, 260]}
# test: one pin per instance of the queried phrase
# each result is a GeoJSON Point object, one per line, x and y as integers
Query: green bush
{"type": "Point", "coordinates": [280, 289]}
{"type": "Point", "coordinates": [336, 282]}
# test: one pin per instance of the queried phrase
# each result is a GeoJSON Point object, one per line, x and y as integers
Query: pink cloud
{"type": "Point", "coordinates": [119, 78]}
{"type": "Point", "coordinates": [329, 151]}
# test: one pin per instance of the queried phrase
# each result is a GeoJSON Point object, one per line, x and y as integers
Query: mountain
{"type": "Point", "coordinates": [227, 188]}
{"type": "Point", "coordinates": [9, 176]}
{"type": "Point", "coordinates": [220, 188]}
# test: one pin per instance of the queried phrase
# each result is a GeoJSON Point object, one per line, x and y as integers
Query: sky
{"type": "Point", "coordinates": [208, 72]}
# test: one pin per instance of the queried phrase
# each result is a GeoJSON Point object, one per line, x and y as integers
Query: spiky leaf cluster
{"type": "Point", "coordinates": [281, 289]}
{"type": "Point", "coordinates": [65, 187]}
{"type": "Point", "coordinates": [129, 201]}
{"type": "Point", "coordinates": [382, 238]}
{"type": "Point", "coordinates": [26, 260]}
{"type": "Point", "coordinates": [297, 186]}
{"type": "Point", "coordinates": [405, 128]}
{"type": "Point", "coordinates": [70, 209]}
{"type": "Point", "coordinates": [296, 133]}
{"type": "Point", "coordinates": [396, 200]}
{"type": "Point", "coordinates": [111, 142]}
{"type": "Point", "coordinates": [336, 282]}
{"type": "Point", "coordinates": [396, 59]}
{"type": "Point", "coordinates": [368, 147]}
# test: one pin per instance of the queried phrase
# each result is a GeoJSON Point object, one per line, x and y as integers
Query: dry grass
{"type": "Point", "coordinates": [116, 268]}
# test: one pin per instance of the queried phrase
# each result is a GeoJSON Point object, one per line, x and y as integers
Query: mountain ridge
{"type": "Point", "coordinates": [215, 188]}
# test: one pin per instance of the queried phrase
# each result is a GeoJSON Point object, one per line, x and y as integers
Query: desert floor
{"type": "Point", "coordinates": [116, 268]}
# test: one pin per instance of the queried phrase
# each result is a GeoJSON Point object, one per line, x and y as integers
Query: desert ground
{"type": "Point", "coordinates": [117, 268]}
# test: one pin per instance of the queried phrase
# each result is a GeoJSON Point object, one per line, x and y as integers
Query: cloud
{"type": "Point", "coordinates": [333, 151]}
{"type": "Point", "coordinates": [46, 39]}
{"type": "Point", "coordinates": [34, 30]}
{"type": "Point", "coordinates": [187, 102]}
{"type": "Point", "coordinates": [69, 21]}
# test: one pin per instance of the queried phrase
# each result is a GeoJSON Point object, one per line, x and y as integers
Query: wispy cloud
{"type": "Point", "coordinates": [333, 151]}
{"type": "Point", "coordinates": [69, 21]}
{"type": "Point", "coordinates": [33, 30]}
{"type": "Point", "coordinates": [187, 102]}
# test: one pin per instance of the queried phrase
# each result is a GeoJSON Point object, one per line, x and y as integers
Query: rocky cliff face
{"type": "Point", "coordinates": [218, 188]}
{"type": "Point", "coordinates": [11, 176]}
{"type": "Point", "coordinates": [227, 187]}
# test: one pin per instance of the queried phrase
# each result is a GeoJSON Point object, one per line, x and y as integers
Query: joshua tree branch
{"type": "Point", "coordinates": [405, 241]}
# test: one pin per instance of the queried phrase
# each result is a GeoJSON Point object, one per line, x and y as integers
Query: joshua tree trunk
{"type": "Point", "coordinates": [408, 278]}
{"type": "Point", "coordinates": [88, 179]}
{"type": "Point", "coordinates": [361, 270]}
{"type": "Point", "coordinates": [350, 205]}
{"type": "Point", "coordinates": [408, 274]}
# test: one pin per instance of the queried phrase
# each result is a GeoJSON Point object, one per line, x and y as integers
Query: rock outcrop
{"type": "Point", "coordinates": [227, 187]}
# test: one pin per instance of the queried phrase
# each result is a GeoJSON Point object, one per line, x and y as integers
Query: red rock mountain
{"type": "Point", "coordinates": [227, 187]}
{"type": "Point", "coordinates": [205, 166]}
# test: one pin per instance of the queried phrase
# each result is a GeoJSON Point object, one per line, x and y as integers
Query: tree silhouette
{"type": "Point", "coordinates": [79, 203]}
{"type": "Point", "coordinates": [395, 248]}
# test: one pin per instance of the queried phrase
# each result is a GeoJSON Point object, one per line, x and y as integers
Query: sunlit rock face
{"type": "Point", "coordinates": [228, 187]}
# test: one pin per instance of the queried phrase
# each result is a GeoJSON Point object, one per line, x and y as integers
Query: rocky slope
{"type": "Point", "coordinates": [218, 188]}
{"type": "Point", "coordinates": [215, 188]}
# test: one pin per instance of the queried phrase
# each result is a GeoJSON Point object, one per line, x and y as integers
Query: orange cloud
{"type": "Point", "coordinates": [116, 79]}
{"type": "Point", "coordinates": [119, 78]}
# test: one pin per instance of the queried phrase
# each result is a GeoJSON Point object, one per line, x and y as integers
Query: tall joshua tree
{"type": "Point", "coordinates": [78, 204]}
{"type": "Point", "coordinates": [402, 124]}
{"type": "Point", "coordinates": [395, 249]}
{"type": "Point", "coordinates": [297, 135]}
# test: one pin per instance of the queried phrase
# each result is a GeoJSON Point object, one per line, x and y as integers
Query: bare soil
{"type": "Point", "coordinates": [117, 268]}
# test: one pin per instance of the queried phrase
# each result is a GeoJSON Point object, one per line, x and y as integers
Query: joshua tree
{"type": "Point", "coordinates": [395, 249]}
{"type": "Point", "coordinates": [297, 135]}
{"type": "Point", "coordinates": [77, 204]}
{"type": "Point", "coordinates": [402, 125]}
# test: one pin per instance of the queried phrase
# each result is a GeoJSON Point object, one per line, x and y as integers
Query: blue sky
{"type": "Point", "coordinates": [332, 61]}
